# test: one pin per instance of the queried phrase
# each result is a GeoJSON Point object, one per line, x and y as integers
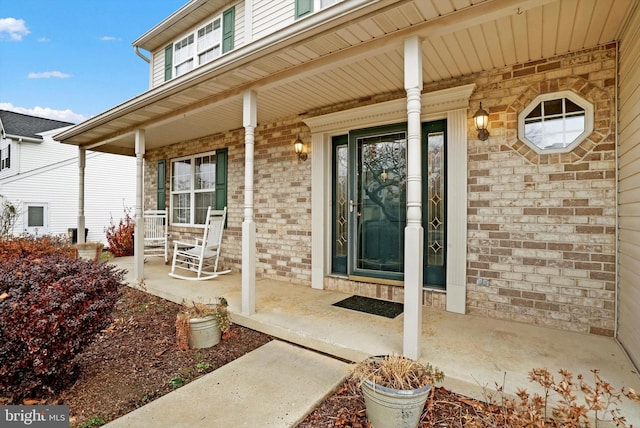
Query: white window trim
{"type": "Point", "coordinates": [317, 4]}
{"type": "Point", "coordinates": [6, 149]}
{"type": "Point", "coordinates": [192, 192]}
{"type": "Point", "coordinates": [194, 58]}
{"type": "Point", "coordinates": [35, 230]}
{"type": "Point", "coordinates": [588, 120]}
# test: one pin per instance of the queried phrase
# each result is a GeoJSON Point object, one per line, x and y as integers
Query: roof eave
{"type": "Point", "coordinates": [292, 34]}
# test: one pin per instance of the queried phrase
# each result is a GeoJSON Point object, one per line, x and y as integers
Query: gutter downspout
{"type": "Point", "coordinates": [141, 55]}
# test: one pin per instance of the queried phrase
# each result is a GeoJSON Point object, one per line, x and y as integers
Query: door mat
{"type": "Point", "coordinates": [368, 305]}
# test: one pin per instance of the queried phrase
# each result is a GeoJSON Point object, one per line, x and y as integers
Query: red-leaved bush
{"type": "Point", "coordinates": [23, 246]}
{"type": "Point", "coordinates": [120, 236]}
{"type": "Point", "coordinates": [51, 308]}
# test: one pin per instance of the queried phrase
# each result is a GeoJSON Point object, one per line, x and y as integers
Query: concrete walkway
{"type": "Point", "coordinates": [274, 386]}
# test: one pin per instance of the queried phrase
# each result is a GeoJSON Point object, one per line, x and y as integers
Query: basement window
{"type": "Point", "coordinates": [556, 122]}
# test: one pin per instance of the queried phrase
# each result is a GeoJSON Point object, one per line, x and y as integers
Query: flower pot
{"type": "Point", "coordinates": [204, 332]}
{"type": "Point", "coordinates": [89, 250]}
{"type": "Point", "coordinates": [394, 408]}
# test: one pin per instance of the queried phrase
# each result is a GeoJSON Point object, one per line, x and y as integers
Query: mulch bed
{"type": "Point", "coordinates": [137, 360]}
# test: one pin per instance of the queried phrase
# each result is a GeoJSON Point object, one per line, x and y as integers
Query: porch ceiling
{"type": "Point", "coordinates": [348, 59]}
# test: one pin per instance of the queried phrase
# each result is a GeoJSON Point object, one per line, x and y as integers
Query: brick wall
{"type": "Point", "coordinates": [542, 227]}
{"type": "Point", "coordinates": [282, 198]}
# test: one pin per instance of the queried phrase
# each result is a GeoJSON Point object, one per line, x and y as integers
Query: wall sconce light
{"type": "Point", "coordinates": [298, 145]}
{"type": "Point", "coordinates": [481, 120]}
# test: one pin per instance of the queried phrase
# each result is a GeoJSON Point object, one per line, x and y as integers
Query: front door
{"type": "Point", "coordinates": [35, 221]}
{"type": "Point", "coordinates": [369, 202]}
{"type": "Point", "coordinates": [378, 201]}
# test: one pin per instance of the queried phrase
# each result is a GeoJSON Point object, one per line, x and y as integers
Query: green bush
{"type": "Point", "coordinates": [51, 308]}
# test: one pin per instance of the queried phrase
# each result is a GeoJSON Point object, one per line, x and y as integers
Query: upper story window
{"type": "Point", "coordinates": [207, 42]}
{"type": "Point", "coordinates": [5, 157]}
{"type": "Point", "coordinates": [209, 39]}
{"type": "Point", "coordinates": [183, 55]}
{"type": "Point", "coordinates": [305, 7]}
{"type": "Point", "coordinates": [556, 122]}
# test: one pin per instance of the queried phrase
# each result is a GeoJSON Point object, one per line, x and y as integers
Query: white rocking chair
{"type": "Point", "coordinates": [156, 233]}
{"type": "Point", "coordinates": [201, 257]}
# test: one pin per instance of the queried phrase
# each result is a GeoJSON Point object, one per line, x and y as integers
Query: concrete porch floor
{"type": "Point", "coordinates": [474, 352]}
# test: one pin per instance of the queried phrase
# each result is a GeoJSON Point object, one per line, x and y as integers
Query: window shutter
{"type": "Point", "coordinates": [162, 184]}
{"type": "Point", "coordinates": [228, 24]}
{"type": "Point", "coordinates": [7, 163]}
{"type": "Point", "coordinates": [303, 7]}
{"type": "Point", "coordinates": [168, 62]}
{"type": "Point", "coordinates": [221, 178]}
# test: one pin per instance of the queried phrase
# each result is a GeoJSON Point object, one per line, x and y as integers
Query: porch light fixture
{"type": "Point", "coordinates": [481, 121]}
{"type": "Point", "coordinates": [298, 145]}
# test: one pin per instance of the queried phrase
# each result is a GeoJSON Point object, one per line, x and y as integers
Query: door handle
{"type": "Point", "coordinates": [351, 205]}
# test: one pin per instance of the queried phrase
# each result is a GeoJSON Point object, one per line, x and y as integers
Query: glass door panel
{"type": "Point", "coordinates": [340, 204]}
{"type": "Point", "coordinates": [433, 202]}
{"type": "Point", "coordinates": [378, 202]}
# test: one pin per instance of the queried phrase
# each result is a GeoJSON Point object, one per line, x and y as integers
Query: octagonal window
{"type": "Point", "coordinates": [556, 123]}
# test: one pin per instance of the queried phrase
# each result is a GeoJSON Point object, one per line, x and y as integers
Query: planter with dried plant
{"type": "Point", "coordinates": [395, 389]}
{"type": "Point", "coordinates": [201, 325]}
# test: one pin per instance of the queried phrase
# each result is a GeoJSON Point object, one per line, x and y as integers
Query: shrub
{"type": "Point", "coordinates": [120, 236]}
{"type": "Point", "coordinates": [51, 308]}
{"type": "Point", "coordinates": [20, 247]}
{"type": "Point", "coordinates": [577, 403]}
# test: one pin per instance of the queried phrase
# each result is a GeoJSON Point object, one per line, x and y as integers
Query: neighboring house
{"type": "Point", "coordinates": [399, 198]}
{"type": "Point", "coordinates": [40, 177]}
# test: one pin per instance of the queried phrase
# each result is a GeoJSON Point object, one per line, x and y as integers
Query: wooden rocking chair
{"type": "Point", "coordinates": [201, 257]}
{"type": "Point", "coordinates": [155, 234]}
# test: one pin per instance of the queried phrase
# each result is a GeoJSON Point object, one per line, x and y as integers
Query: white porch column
{"type": "Point", "coordinates": [413, 235]}
{"type": "Point", "coordinates": [249, 121]}
{"type": "Point", "coordinates": [138, 242]}
{"type": "Point", "coordinates": [82, 161]}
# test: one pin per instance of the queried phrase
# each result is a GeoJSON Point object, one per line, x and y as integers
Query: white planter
{"type": "Point", "coordinates": [204, 332]}
{"type": "Point", "coordinates": [89, 250]}
{"type": "Point", "coordinates": [394, 408]}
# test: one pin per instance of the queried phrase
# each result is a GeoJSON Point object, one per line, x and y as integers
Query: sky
{"type": "Point", "coordinates": [73, 59]}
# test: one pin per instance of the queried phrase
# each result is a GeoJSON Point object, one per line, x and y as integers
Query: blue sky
{"type": "Point", "coordinates": [73, 59]}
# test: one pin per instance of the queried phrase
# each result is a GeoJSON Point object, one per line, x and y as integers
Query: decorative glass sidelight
{"type": "Point", "coordinates": [340, 205]}
{"type": "Point", "coordinates": [433, 201]}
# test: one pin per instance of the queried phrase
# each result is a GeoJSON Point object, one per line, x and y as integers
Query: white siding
{"type": "Point", "coordinates": [629, 186]}
{"type": "Point", "coordinates": [109, 187]}
{"type": "Point", "coordinates": [39, 155]}
{"type": "Point", "coordinates": [157, 65]}
{"type": "Point", "coordinates": [239, 39]}
{"type": "Point", "coordinates": [270, 16]}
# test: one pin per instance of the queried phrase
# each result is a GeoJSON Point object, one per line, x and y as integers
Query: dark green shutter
{"type": "Point", "coordinates": [168, 62]}
{"type": "Point", "coordinates": [303, 7]}
{"type": "Point", "coordinates": [162, 184]}
{"type": "Point", "coordinates": [221, 178]}
{"type": "Point", "coordinates": [228, 24]}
